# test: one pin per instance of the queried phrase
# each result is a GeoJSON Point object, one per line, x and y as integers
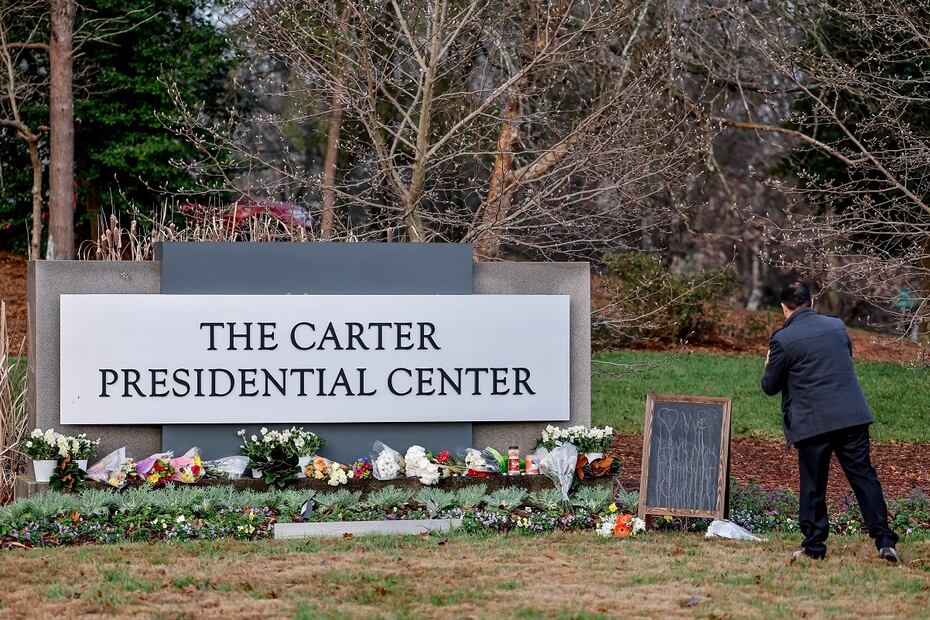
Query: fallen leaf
{"type": "Point", "coordinates": [694, 600]}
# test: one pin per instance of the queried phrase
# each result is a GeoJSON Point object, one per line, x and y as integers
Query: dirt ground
{"type": "Point", "coordinates": [901, 467]}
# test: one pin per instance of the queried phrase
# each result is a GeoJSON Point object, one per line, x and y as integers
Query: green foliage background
{"type": "Point", "coordinates": [125, 150]}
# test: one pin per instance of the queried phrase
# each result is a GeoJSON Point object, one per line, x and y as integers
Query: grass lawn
{"type": "Point", "coordinates": [462, 576]}
{"type": "Point", "coordinates": [899, 396]}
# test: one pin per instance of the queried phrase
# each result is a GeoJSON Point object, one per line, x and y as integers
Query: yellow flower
{"type": "Point", "coordinates": [612, 508]}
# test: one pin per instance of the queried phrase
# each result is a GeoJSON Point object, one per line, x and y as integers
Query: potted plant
{"type": "Point", "coordinates": [302, 444]}
{"type": "Point", "coordinates": [42, 448]}
{"type": "Point", "coordinates": [80, 449]}
{"type": "Point", "coordinates": [257, 450]}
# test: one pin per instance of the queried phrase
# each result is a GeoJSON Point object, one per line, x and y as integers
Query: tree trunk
{"type": "Point", "coordinates": [488, 245]}
{"type": "Point", "coordinates": [35, 244]}
{"type": "Point", "coordinates": [61, 142]}
{"type": "Point", "coordinates": [329, 167]}
{"type": "Point", "coordinates": [327, 219]}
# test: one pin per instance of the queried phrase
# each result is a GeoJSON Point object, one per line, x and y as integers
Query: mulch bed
{"type": "Point", "coordinates": [901, 467]}
{"type": "Point", "coordinates": [13, 292]}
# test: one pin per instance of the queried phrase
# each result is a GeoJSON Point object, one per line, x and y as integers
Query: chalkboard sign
{"type": "Point", "coordinates": [686, 447]}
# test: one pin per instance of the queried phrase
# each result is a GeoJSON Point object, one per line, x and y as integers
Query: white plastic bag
{"type": "Point", "coordinates": [729, 530]}
{"type": "Point", "coordinates": [231, 467]}
{"type": "Point", "coordinates": [386, 462]}
{"type": "Point", "coordinates": [559, 465]}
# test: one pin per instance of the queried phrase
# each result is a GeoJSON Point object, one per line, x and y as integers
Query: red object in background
{"type": "Point", "coordinates": [443, 457]}
{"type": "Point", "coordinates": [241, 211]}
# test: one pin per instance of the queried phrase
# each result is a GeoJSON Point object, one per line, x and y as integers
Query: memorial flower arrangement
{"type": "Point", "coordinates": [188, 468]}
{"type": "Point", "coordinates": [420, 465]}
{"type": "Point", "coordinates": [41, 446]}
{"type": "Point", "coordinates": [334, 473]}
{"type": "Point", "coordinates": [254, 448]}
{"type": "Point", "coordinates": [387, 463]}
{"type": "Point", "coordinates": [621, 525]}
{"type": "Point", "coordinates": [587, 440]}
{"type": "Point", "coordinates": [156, 470]}
{"type": "Point", "coordinates": [48, 445]}
{"type": "Point", "coordinates": [126, 474]}
{"type": "Point", "coordinates": [361, 469]}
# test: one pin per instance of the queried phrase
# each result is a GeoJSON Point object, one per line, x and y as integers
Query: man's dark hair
{"type": "Point", "coordinates": [796, 294]}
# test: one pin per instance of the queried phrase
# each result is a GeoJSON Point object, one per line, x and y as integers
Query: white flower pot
{"type": "Point", "coordinates": [43, 469]}
{"type": "Point", "coordinates": [82, 464]}
{"type": "Point", "coordinates": [303, 462]}
{"type": "Point", "coordinates": [257, 473]}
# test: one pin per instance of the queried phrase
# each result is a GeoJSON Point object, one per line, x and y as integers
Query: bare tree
{"type": "Point", "coordinates": [541, 127]}
{"type": "Point", "coordinates": [17, 89]}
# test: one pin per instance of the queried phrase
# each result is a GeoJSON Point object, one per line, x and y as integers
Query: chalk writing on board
{"type": "Point", "coordinates": [685, 457]}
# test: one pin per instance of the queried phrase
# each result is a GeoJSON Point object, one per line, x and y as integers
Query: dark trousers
{"type": "Point", "coordinates": [851, 446]}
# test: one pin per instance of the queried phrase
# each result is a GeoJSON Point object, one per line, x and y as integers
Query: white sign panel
{"type": "Point", "coordinates": [204, 359]}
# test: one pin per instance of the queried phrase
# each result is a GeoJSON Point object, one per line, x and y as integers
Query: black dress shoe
{"type": "Point", "coordinates": [804, 553]}
{"type": "Point", "coordinates": [889, 554]}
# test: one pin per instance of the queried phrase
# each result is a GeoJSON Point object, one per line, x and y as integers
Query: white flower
{"type": "Point", "coordinates": [254, 439]}
{"type": "Point", "coordinates": [429, 473]}
{"type": "Point", "coordinates": [36, 433]}
{"type": "Point", "coordinates": [263, 431]}
{"type": "Point", "coordinates": [241, 432]}
{"type": "Point", "coordinates": [180, 519]}
{"type": "Point", "coordinates": [606, 527]}
{"type": "Point", "coordinates": [638, 525]}
{"type": "Point", "coordinates": [387, 465]}
{"type": "Point", "coordinates": [28, 444]}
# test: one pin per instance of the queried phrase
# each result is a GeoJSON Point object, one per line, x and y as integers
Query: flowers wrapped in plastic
{"type": "Point", "coordinates": [228, 467]}
{"type": "Point", "coordinates": [559, 465]}
{"type": "Point", "coordinates": [386, 462]}
{"type": "Point", "coordinates": [362, 468]}
{"type": "Point", "coordinates": [482, 463]}
{"type": "Point", "coordinates": [110, 469]}
{"type": "Point", "coordinates": [189, 467]}
{"type": "Point", "coordinates": [156, 470]}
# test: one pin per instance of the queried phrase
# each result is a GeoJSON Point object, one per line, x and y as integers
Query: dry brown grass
{"type": "Point", "coordinates": [553, 576]}
{"type": "Point", "coordinates": [12, 410]}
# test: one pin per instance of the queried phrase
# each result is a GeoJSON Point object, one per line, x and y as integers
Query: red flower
{"type": "Point", "coordinates": [443, 457]}
{"type": "Point", "coordinates": [195, 470]}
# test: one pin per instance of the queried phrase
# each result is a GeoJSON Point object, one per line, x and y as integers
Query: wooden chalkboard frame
{"type": "Point", "coordinates": [722, 481]}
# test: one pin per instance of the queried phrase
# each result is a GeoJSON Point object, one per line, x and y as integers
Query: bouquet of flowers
{"type": "Point", "coordinates": [188, 468]}
{"type": "Point", "coordinates": [482, 463]}
{"type": "Point", "coordinates": [334, 473]}
{"type": "Point", "coordinates": [621, 525]}
{"type": "Point", "coordinates": [386, 462]}
{"type": "Point", "coordinates": [157, 470]}
{"type": "Point", "coordinates": [126, 474]}
{"type": "Point", "coordinates": [448, 464]}
{"type": "Point", "coordinates": [294, 441]}
{"type": "Point", "coordinates": [114, 469]}
{"type": "Point", "coordinates": [362, 468]}
{"type": "Point", "coordinates": [419, 464]}
{"type": "Point", "coordinates": [588, 440]}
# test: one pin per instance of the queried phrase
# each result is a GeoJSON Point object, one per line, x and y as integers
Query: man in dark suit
{"type": "Point", "coordinates": [824, 412]}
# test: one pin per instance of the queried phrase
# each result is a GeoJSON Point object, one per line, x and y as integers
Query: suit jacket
{"type": "Point", "coordinates": [810, 363]}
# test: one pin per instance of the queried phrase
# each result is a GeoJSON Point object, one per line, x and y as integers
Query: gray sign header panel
{"type": "Point", "coordinates": [315, 268]}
